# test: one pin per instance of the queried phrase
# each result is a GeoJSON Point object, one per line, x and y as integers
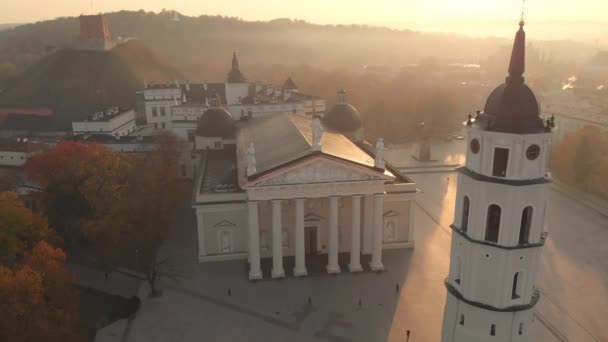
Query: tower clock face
{"type": "Point", "coordinates": [475, 146]}
{"type": "Point", "coordinates": [533, 152]}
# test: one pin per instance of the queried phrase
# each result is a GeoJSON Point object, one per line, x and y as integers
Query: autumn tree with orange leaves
{"type": "Point", "coordinates": [37, 299]}
{"type": "Point", "coordinates": [581, 160]}
{"type": "Point", "coordinates": [79, 182]}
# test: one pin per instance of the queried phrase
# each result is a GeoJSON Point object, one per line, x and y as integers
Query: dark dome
{"type": "Point", "coordinates": [512, 108]}
{"type": "Point", "coordinates": [216, 122]}
{"type": "Point", "coordinates": [342, 118]}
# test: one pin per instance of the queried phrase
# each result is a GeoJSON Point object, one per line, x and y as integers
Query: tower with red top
{"type": "Point", "coordinates": [94, 33]}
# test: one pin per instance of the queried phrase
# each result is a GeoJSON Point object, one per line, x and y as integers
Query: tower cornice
{"type": "Point", "coordinates": [459, 231]}
{"type": "Point", "coordinates": [514, 308]}
{"type": "Point", "coordinates": [514, 182]}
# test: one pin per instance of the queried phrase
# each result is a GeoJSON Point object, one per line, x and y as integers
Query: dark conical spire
{"type": "Point", "coordinates": [235, 75]}
{"type": "Point", "coordinates": [235, 61]}
{"type": "Point", "coordinates": [517, 66]}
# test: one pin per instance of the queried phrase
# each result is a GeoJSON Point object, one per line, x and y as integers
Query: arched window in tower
{"type": "Point", "coordinates": [526, 223]}
{"type": "Point", "coordinates": [465, 214]}
{"type": "Point", "coordinates": [521, 328]}
{"type": "Point", "coordinates": [493, 223]}
{"type": "Point", "coordinates": [501, 159]}
{"type": "Point", "coordinates": [493, 330]}
{"type": "Point", "coordinates": [515, 290]}
{"type": "Point", "coordinates": [461, 322]}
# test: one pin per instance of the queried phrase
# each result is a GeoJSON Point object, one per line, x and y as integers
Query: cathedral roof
{"type": "Point", "coordinates": [216, 122]}
{"type": "Point", "coordinates": [294, 132]}
{"type": "Point", "coordinates": [512, 107]}
{"type": "Point", "coordinates": [343, 118]}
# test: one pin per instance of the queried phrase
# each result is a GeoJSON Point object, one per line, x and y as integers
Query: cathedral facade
{"type": "Point", "coordinates": [296, 189]}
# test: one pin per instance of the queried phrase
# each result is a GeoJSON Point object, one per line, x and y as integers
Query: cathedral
{"type": "Point", "coordinates": [297, 190]}
{"type": "Point", "coordinates": [498, 231]}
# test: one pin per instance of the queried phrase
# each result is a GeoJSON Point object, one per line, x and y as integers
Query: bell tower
{"type": "Point", "coordinates": [498, 230]}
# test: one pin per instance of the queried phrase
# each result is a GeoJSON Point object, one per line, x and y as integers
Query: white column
{"type": "Point", "coordinates": [355, 246]}
{"type": "Point", "coordinates": [277, 241]}
{"type": "Point", "coordinates": [200, 223]}
{"type": "Point", "coordinates": [376, 263]}
{"type": "Point", "coordinates": [300, 268]}
{"type": "Point", "coordinates": [332, 254]}
{"type": "Point", "coordinates": [254, 242]}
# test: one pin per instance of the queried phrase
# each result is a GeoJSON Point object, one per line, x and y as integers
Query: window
{"type": "Point", "coordinates": [533, 152]}
{"type": "Point", "coordinates": [501, 159]}
{"type": "Point", "coordinates": [493, 330]}
{"type": "Point", "coordinates": [521, 328]}
{"type": "Point", "coordinates": [155, 126]}
{"type": "Point", "coordinates": [284, 239]}
{"type": "Point", "coordinates": [515, 290]}
{"type": "Point", "coordinates": [162, 125]}
{"type": "Point", "coordinates": [526, 222]}
{"type": "Point", "coordinates": [457, 271]}
{"type": "Point", "coordinates": [465, 214]}
{"type": "Point", "coordinates": [162, 111]}
{"type": "Point", "coordinates": [154, 112]}
{"type": "Point", "coordinates": [461, 322]}
{"type": "Point", "coordinates": [475, 146]}
{"type": "Point", "coordinates": [493, 223]}
{"type": "Point", "coordinates": [217, 144]}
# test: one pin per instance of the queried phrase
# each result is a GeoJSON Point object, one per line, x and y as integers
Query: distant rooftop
{"type": "Point", "coordinates": [106, 115]}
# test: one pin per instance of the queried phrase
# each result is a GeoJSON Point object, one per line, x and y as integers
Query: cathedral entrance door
{"type": "Point", "coordinates": [310, 243]}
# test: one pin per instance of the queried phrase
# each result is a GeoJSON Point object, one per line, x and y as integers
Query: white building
{"type": "Point", "coordinates": [298, 191]}
{"type": "Point", "coordinates": [178, 107]}
{"type": "Point", "coordinates": [498, 230]}
{"type": "Point", "coordinates": [113, 121]}
{"type": "Point", "coordinates": [14, 152]}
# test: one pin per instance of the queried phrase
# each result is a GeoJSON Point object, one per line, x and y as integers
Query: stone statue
{"type": "Point", "coordinates": [251, 167]}
{"type": "Point", "coordinates": [379, 162]}
{"type": "Point", "coordinates": [317, 133]}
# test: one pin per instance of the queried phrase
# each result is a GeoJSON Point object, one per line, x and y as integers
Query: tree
{"type": "Point", "coordinates": [138, 222]}
{"type": "Point", "coordinates": [20, 228]}
{"type": "Point", "coordinates": [80, 182]}
{"type": "Point", "coordinates": [37, 299]}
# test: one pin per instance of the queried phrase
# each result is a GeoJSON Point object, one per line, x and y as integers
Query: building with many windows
{"type": "Point", "coordinates": [178, 107]}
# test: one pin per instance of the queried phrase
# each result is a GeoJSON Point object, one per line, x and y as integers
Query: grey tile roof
{"type": "Point", "coordinates": [280, 140]}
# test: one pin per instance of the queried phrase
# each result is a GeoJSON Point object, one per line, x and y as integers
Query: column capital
{"type": "Point", "coordinates": [357, 196]}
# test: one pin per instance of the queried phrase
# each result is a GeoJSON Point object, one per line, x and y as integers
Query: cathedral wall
{"type": "Point", "coordinates": [225, 229]}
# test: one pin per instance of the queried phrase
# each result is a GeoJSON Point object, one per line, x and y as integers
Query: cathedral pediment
{"type": "Point", "coordinates": [320, 169]}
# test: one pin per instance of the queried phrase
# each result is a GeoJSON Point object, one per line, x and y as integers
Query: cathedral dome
{"type": "Point", "coordinates": [343, 118]}
{"type": "Point", "coordinates": [216, 122]}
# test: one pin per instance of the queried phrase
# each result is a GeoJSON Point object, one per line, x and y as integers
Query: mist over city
{"type": "Point", "coordinates": [352, 171]}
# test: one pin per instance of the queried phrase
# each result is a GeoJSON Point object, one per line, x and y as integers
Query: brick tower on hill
{"type": "Point", "coordinates": [94, 33]}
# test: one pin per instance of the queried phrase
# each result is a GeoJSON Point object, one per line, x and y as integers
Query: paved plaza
{"type": "Point", "coordinates": [216, 302]}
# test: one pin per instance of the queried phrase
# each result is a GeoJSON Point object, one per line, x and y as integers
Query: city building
{"type": "Point", "coordinates": [178, 107]}
{"type": "Point", "coordinates": [498, 231]}
{"type": "Point", "coordinates": [296, 186]}
{"type": "Point", "coordinates": [114, 121]}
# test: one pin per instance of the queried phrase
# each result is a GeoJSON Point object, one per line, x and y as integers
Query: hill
{"type": "Point", "coordinates": [75, 83]}
{"type": "Point", "coordinates": [202, 46]}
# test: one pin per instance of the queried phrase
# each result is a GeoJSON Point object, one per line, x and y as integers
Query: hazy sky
{"type": "Point", "coordinates": [436, 15]}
